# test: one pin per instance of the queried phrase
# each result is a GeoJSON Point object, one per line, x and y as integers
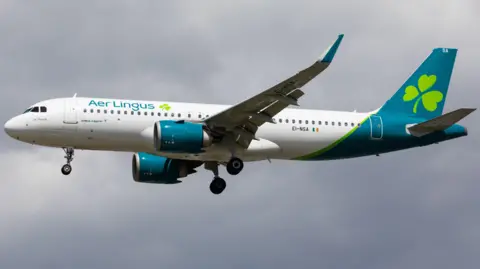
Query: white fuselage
{"type": "Point", "coordinates": [127, 125]}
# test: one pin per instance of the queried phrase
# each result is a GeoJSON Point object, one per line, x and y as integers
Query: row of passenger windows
{"type": "Point", "coordinates": [333, 123]}
{"type": "Point", "coordinates": [139, 113]}
{"type": "Point", "coordinates": [189, 115]}
{"type": "Point", "coordinates": [36, 109]}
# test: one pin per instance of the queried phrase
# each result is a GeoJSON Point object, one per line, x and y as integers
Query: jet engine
{"type": "Point", "coordinates": [148, 168]}
{"type": "Point", "coordinates": [180, 136]}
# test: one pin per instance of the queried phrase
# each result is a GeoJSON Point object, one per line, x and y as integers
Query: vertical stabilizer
{"type": "Point", "coordinates": [425, 91]}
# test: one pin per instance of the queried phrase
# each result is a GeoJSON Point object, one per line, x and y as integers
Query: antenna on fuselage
{"type": "Point", "coordinates": [75, 95]}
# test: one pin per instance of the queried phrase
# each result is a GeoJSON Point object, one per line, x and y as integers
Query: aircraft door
{"type": "Point", "coordinates": [70, 115]}
{"type": "Point", "coordinates": [376, 127]}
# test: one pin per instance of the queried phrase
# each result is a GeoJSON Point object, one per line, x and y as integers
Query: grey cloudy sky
{"type": "Point", "coordinates": [413, 209]}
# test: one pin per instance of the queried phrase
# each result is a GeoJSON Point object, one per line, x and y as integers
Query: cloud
{"type": "Point", "coordinates": [416, 208]}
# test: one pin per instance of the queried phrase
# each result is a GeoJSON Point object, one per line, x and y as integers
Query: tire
{"type": "Point", "coordinates": [234, 166]}
{"type": "Point", "coordinates": [218, 185]}
{"type": "Point", "coordinates": [66, 169]}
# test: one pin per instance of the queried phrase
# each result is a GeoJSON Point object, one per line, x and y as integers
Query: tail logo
{"type": "Point", "coordinates": [430, 98]}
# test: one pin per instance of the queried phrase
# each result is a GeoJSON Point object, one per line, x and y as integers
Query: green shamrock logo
{"type": "Point", "coordinates": [165, 107]}
{"type": "Point", "coordinates": [430, 98]}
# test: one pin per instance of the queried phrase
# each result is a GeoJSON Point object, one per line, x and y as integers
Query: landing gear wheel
{"type": "Point", "coordinates": [218, 185]}
{"type": "Point", "coordinates": [234, 166]}
{"type": "Point", "coordinates": [66, 169]}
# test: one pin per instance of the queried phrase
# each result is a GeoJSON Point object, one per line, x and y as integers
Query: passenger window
{"type": "Point", "coordinates": [139, 113]}
{"type": "Point", "coordinates": [91, 110]}
{"type": "Point", "coordinates": [44, 109]}
{"type": "Point", "coordinates": [280, 120]}
{"type": "Point", "coordinates": [346, 124]}
{"type": "Point", "coordinates": [173, 115]}
{"type": "Point", "coordinates": [145, 113]}
{"type": "Point", "coordinates": [105, 111]}
{"type": "Point", "coordinates": [35, 109]}
{"type": "Point", "coordinates": [125, 112]}
{"type": "Point", "coordinates": [84, 110]}
{"type": "Point", "coordinates": [112, 112]}
{"type": "Point", "coordinates": [119, 112]}
{"type": "Point", "coordinates": [293, 121]}
{"type": "Point", "coordinates": [339, 124]}
{"type": "Point", "coordinates": [300, 121]}
{"type": "Point", "coordinates": [319, 122]}
{"type": "Point", "coordinates": [359, 125]}
{"type": "Point", "coordinates": [333, 123]}
{"type": "Point", "coordinates": [98, 110]}
{"type": "Point", "coordinates": [159, 114]}
{"type": "Point", "coordinates": [353, 124]}
{"type": "Point", "coordinates": [179, 115]}
{"type": "Point", "coordinates": [199, 116]}
{"type": "Point", "coordinates": [306, 122]}
{"type": "Point", "coordinates": [326, 122]}
{"type": "Point", "coordinates": [189, 115]}
{"type": "Point", "coordinates": [153, 114]}
{"type": "Point", "coordinates": [166, 114]}
{"type": "Point", "coordinates": [132, 112]}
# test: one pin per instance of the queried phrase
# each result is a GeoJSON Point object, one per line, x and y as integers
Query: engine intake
{"type": "Point", "coordinates": [180, 136]}
{"type": "Point", "coordinates": [147, 168]}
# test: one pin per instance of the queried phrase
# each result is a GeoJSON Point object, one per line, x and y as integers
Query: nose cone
{"type": "Point", "coordinates": [12, 126]}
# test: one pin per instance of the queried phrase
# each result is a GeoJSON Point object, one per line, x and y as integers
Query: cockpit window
{"type": "Point", "coordinates": [36, 109]}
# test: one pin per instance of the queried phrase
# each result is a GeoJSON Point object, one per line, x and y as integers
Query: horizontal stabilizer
{"type": "Point", "coordinates": [440, 123]}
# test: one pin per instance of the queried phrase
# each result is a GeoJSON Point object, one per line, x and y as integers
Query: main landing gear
{"type": "Point", "coordinates": [218, 184]}
{"type": "Point", "coordinates": [67, 168]}
{"type": "Point", "coordinates": [234, 166]}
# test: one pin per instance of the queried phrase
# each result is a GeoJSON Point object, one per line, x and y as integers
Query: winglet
{"type": "Point", "coordinates": [328, 55]}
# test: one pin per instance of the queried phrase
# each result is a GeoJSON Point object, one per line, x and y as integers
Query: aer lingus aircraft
{"type": "Point", "coordinates": [170, 140]}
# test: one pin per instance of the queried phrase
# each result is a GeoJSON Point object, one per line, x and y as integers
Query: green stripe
{"type": "Point", "coordinates": [331, 146]}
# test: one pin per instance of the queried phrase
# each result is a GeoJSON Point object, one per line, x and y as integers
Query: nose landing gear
{"type": "Point", "coordinates": [67, 168]}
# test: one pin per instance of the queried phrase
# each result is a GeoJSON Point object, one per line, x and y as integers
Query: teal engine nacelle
{"type": "Point", "coordinates": [148, 168]}
{"type": "Point", "coordinates": [180, 136]}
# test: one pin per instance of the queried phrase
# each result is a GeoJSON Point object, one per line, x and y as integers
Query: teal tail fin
{"type": "Point", "coordinates": [425, 91]}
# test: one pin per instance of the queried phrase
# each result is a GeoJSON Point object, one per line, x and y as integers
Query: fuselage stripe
{"type": "Point", "coordinates": [331, 146]}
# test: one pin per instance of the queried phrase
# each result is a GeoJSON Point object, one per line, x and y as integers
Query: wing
{"type": "Point", "coordinates": [241, 121]}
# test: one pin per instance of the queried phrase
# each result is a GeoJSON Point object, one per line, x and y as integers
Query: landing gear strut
{"type": "Point", "coordinates": [218, 184]}
{"type": "Point", "coordinates": [234, 166]}
{"type": "Point", "coordinates": [67, 168]}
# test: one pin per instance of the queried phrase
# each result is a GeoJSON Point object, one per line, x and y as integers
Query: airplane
{"type": "Point", "coordinates": [170, 140]}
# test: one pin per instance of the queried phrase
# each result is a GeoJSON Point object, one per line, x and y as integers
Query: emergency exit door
{"type": "Point", "coordinates": [376, 125]}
